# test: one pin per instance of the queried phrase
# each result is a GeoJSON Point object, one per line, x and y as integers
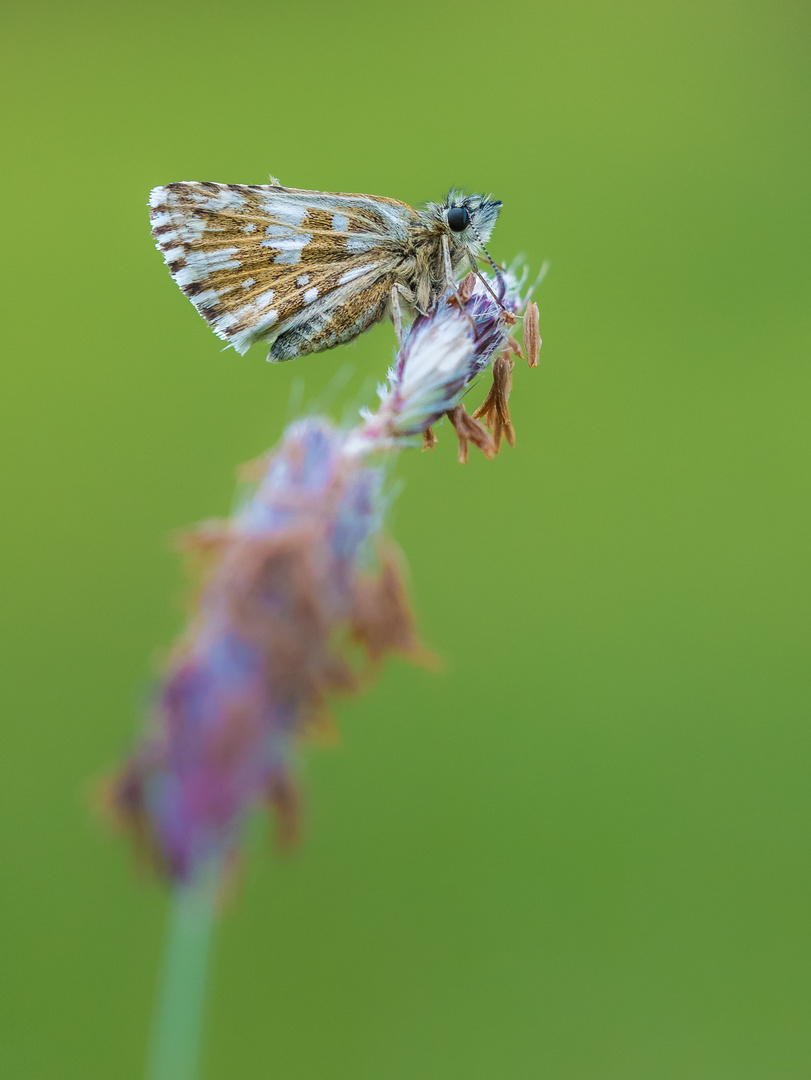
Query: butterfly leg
{"type": "Point", "coordinates": [397, 315]}
{"type": "Point", "coordinates": [446, 253]}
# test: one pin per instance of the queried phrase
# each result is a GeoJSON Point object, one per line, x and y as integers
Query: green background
{"type": "Point", "coordinates": [581, 851]}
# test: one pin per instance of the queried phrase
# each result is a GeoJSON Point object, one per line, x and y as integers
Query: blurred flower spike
{"type": "Point", "coordinates": [299, 598]}
{"type": "Point", "coordinates": [287, 588]}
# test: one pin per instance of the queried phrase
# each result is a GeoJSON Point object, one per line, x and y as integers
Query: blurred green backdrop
{"type": "Point", "coordinates": [582, 851]}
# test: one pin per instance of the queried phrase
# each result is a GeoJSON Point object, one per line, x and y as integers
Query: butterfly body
{"type": "Point", "coordinates": [306, 270]}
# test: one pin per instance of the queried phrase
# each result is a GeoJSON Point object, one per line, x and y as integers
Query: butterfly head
{"type": "Point", "coordinates": [470, 218]}
{"type": "Point", "coordinates": [468, 221]}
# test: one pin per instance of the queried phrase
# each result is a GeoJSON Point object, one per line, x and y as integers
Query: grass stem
{"type": "Point", "coordinates": [178, 1023]}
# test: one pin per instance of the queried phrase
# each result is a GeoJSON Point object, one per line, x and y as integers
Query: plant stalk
{"type": "Point", "coordinates": [178, 1021]}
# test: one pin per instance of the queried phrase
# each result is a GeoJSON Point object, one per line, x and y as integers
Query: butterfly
{"type": "Point", "coordinates": [305, 270]}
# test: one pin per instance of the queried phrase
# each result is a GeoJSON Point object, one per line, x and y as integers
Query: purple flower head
{"type": "Point", "coordinates": [443, 353]}
{"type": "Point", "coordinates": [285, 595]}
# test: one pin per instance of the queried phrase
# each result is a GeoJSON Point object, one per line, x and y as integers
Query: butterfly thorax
{"type": "Point", "coordinates": [423, 266]}
{"type": "Point", "coordinates": [420, 273]}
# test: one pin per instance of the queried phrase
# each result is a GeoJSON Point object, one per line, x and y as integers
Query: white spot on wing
{"type": "Point", "coordinates": [303, 279]}
{"type": "Point", "coordinates": [355, 272]}
{"type": "Point", "coordinates": [310, 295]}
{"type": "Point", "coordinates": [225, 199]}
{"type": "Point", "coordinates": [246, 284]}
{"type": "Point", "coordinates": [358, 243]}
{"type": "Point", "coordinates": [193, 228]}
{"type": "Point", "coordinates": [340, 222]}
{"type": "Point", "coordinates": [289, 247]}
{"type": "Point", "coordinates": [249, 228]}
{"type": "Point", "coordinates": [206, 299]}
{"type": "Point", "coordinates": [199, 264]}
{"type": "Point", "coordinates": [285, 211]}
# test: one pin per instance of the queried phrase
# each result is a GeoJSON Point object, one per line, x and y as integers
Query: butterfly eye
{"type": "Point", "coordinates": [458, 218]}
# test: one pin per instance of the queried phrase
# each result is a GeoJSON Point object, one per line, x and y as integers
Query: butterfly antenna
{"type": "Point", "coordinates": [496, 269]}
{"type": "Point", "coordinates": [475, 232]}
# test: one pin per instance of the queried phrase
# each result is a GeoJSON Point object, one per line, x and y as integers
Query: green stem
{"type": "Point", "coordinates": [178, 1020]}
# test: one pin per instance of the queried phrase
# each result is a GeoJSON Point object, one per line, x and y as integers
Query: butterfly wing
{"type": "Point", "coordinates": [301, 270]}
